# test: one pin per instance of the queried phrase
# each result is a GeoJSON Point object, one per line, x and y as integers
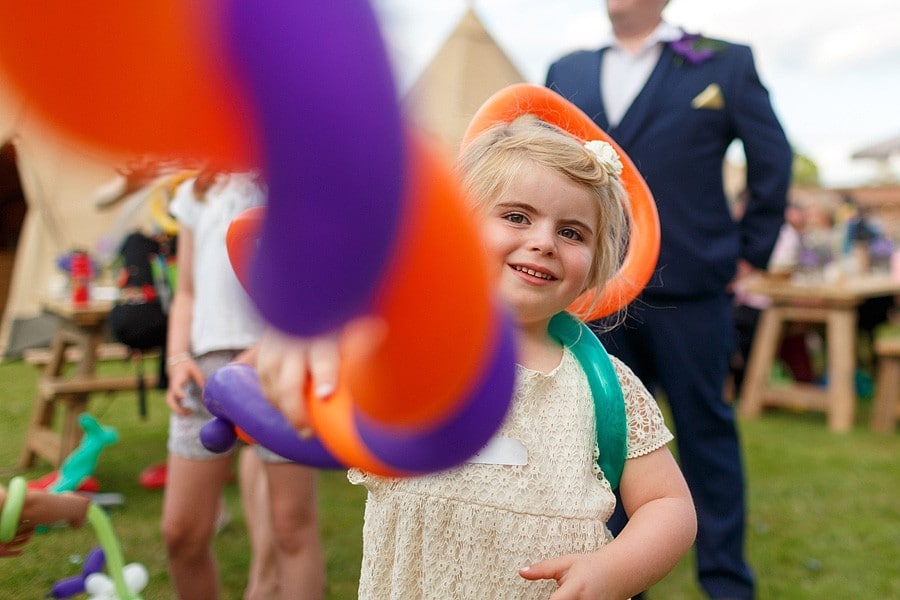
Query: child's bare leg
{"type": "Point", "coordinates": [262, 579]}
{"type": "Point", "coordinates": [190, 506]}
{"type": "Point", "coordinates": [292, 489]}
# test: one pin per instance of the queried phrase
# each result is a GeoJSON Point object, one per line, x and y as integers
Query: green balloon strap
{"type": "Point", "coordinates": [115, 564]}
{"type": "Point", "coordinates": [609, 403]}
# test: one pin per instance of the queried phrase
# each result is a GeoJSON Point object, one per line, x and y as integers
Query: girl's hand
{"type": "Point", "coordinates": [661, 516]}
{"type": "Point", "coordinates": [285, 364]}
{"type": "Point", "coordinates": [579, 576]}
{"type": "Point", "coordinates": [288, 365]}
{"type": "Point", "coordinates": [182, 370]}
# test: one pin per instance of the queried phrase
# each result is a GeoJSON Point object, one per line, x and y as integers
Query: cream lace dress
{"type": "Point", "coordinates": [464, 533]}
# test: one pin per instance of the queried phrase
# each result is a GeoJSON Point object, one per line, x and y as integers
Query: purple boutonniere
{"type": "Point", "coordinates": [693, 48]}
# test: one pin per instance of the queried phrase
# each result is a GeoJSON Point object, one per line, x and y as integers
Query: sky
{"type": "Point", "coordinates": [832, 67]}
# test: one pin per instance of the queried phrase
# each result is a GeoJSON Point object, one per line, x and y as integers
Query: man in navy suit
{"type": "Point", "coordinates": [675, 102]}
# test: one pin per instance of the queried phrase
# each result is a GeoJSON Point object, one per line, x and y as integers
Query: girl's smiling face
{"type": "Point", "coordinates": [540, 235]}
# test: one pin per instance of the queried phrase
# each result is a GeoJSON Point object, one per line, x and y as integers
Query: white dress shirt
{"type": "Point", "coordinates": [624, 74]}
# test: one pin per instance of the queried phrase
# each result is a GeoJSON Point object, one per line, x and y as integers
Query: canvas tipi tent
{"type": "Point", "coordinates": [465, 71]}
{"type": "Point", "coordinates": [58, 179]}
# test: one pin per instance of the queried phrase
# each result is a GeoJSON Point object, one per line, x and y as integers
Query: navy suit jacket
{"type": "Point", "coordinates": [680, 150]}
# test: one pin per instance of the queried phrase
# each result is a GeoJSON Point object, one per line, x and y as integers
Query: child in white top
{"type": "Point", "coordinates": [213, 322]}
{"type": "Point", "coordinates": [553, 222]}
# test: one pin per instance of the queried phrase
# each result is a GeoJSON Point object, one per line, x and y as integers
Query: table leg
{"type": "Point", "coordinates": [88, 340]}
{"type": "Point", "coordinates": [887, 388]}
{"type": "Point", "coordinates": [36, 440]}
{"type": "Point", "coordinates": [762, 357]}
{"type": "Point", "coordinates": [841, 368]}
{"type": "Point", "coordinates": [41, 420]}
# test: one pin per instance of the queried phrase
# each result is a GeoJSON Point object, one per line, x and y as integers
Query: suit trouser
{"type": "Point", "coordinates": [682, 346]}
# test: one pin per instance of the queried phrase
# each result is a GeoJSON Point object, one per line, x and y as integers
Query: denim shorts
{"type": "Point", "coordinates": [184, 430]}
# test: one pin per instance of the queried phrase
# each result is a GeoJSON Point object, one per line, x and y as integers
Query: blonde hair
{"type": "Point", "coordinates": [493, 160]}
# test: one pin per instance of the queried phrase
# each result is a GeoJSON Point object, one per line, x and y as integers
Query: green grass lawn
{"type": "Point", "coordinates": [824, 515]}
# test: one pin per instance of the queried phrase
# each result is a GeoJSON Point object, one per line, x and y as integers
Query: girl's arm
{"type": "Point", "coordinates": [43, 508]}
{"type": "Point", "coordinates": [660, 531]}
{"type": "Point", "coordinates": [180, 364]}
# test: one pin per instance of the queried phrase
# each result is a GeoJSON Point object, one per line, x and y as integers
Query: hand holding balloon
{"type": "Point", "coordinates": [351, 438]}
{"type": "Point", "coordinates": [287, 365]}
{"type": "Point", "coordinates": [232, 394]}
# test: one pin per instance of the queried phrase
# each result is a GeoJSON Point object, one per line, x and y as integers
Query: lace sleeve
{"type": "Point", "coordinates": [647, 430]}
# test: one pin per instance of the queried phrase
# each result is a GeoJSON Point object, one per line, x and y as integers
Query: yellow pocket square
{"type": "Point", "coordinates": [710, 98]}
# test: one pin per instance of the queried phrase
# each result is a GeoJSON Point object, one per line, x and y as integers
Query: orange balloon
{"type": "Point", "coordinates": [128, 77]}
{"type": "Point", "coordinates": [437, 300]}
{"type": "Point", "coordinates": [242, 435]}
{"type": "Point", "coordinates": [643, 247]}
{"type": "Point", "coordinates": [240, 241]}
{"type": "Point", "coordinates": [334, 417]}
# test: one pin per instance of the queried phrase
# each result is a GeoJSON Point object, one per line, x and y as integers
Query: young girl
{"type": "Point", "coordinates": [211, 323]}
{"type": "Point", "coordinates": [553, 222]}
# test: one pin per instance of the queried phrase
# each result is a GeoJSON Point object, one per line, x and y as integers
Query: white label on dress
{"type": "Point", "coordinates": [502, 451]}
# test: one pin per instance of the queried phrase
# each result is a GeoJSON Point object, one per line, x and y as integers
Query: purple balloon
{"type": "Point", "coordinates": [232, 393]}
{"type": "Point", "coordinates": [68, 587]}
{"type": "Point", "coordinates": [94, 562]}
{"type": "Point", "coordinates": [72, 586]}
{"type": "Point", "coordinates": [218, 435]}
{"type": "Point", "coordinates": [463, 434]}
{"type": "Point", "coordinates": [333, 142]}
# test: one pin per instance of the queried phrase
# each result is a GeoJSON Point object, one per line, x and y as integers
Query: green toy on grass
{"type": "Point", "coordinates": [83, 460]}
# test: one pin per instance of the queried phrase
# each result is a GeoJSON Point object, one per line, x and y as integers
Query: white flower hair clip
{"type": "Point", "coordinates": [606, 156]}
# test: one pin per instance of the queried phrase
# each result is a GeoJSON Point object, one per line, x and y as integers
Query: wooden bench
{"type": "Point", "coordinates": [92, 384]}
{"type": "Point", "coordinates": [886, 406]}
{"type": "Point", "coordinates": [40, 357]}
{"type": "Point", "coordinates": [68, 397]}
{"type": "Point", "coordinates": [68, 378]}
{"type": "Point", "coordinates": [80, 384]}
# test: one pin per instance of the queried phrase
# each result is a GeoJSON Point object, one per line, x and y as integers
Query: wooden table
{"type": "Point", "coordinates": [84, 330]}
{"type": "Point", "coordinates": [835, 305]}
